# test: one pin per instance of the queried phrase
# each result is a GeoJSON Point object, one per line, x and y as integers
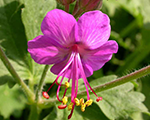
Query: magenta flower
{"type": "Point", "coordinates": [75, 48]}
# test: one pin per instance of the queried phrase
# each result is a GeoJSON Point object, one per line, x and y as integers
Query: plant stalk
{"type": "Point", "coordinates": [27, 91]}
{"type": "Point", "coordinates": [41, 83]}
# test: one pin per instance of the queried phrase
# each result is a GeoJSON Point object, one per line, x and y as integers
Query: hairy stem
{"type": "Point", "coordinates": [41, 83]}
{"type": "Point", "coordinates": [134, 75]}
{"type": "Point", "coordinates": [27, 91]}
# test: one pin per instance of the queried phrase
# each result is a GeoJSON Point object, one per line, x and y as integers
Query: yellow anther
{"type": "Point", "coordinates": [77, 101]}
{"type": "Point", "coordinates": [83, 107]}
{"type": "Point", "coordinates": [89, 102]}
{"type": "Point", "coordinates": [65, 100]}
{"type": "Point", "coordinates": [81, 101]}
{"type": "Point", "coordinates": [67, 84]}
{"type": "Point", "coordinates": [70, 106]}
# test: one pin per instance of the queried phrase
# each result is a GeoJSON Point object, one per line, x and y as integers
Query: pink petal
{"type": "Point", "coordinates": [56, 68]}
{"type": "Point", "coordinates": [97, 58]}
{"type": "Point", "coordinates": [59, 26]}
{"type": "Point", "coordinates": [44, 52]}
{"type": "Point", "coordinates": [87, 70]}
{"type": "Point", "coordinates": [93, 29]}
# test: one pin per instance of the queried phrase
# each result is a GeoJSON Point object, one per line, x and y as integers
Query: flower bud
{"type": "Point", "coordinates": [65, 2]}
{"type": "Point", "coordinates": [88, 5]}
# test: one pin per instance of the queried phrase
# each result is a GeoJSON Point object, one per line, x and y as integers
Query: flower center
{"type": "Point", "coordinates": [79, 48]}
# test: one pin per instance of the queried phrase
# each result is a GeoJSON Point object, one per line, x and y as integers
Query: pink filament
{"type": "Point", "coordinates": [59, 89]}
{"type": "Point", "coordinates": [83, 77]}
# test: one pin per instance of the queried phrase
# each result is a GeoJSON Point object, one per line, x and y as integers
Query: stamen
{"type": "Point", "coordinates": [83, 76]}
{"type": "Point", "coordinates": [81, 101]}
{"type": "Point", "coordinates": [66, 88]}
{"type": "Point", "coordinates": [61, 74]}
{"type": "Point", "coordinates": [67, 84]}
{"type": "Point", "coordinates": [85, 80]}
{"type": "Point", "coordinates": [71, 111]}
{"type": "Point", "coordinates": [74, 74]}
{"type": "Point", "coordinates": [77, 101]}
{"type": "Point", "coordinates": [70, 106]}
{"type": "Point", "coordinates": [99, 99]}
{"type": "Point", "coordinates": [68, 63]}
{"type": "Point", "coordinates": [65, 100]}
{"type": "Point", "coordinates": [83, 107]}
{"type": "Point", "coordinates": [51, 85]}
{"type": "Point", "coordinates": [91, 88]}
{"type": "Point", "coordinates": [62, 106]}
{"type": "Point", "coordinates": [59, 89]}
{"type": "Point", "coordinates": [89, 102]}
{"type": "Point", "coordinates": [45, 95]}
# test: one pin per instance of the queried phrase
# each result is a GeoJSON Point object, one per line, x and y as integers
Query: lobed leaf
{"type": "Point", "coordinates": [11, 100]}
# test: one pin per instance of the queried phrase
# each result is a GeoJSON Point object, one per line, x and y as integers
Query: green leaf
{"type": "Point", "coordinates": [12, 34]}
{"type": "Point", "coordinates": [121, 101]}
{"type": "Point", "coordinates": [92, 112]}
{"type": "Point", "coordinates": [132, 6]}
{"type": "Point", "coordinates": [33, 13]}
{"type": "Point", "coordinates": [11, 100]}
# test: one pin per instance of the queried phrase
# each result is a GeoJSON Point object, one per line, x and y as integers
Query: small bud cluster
{"type": "Point", "coordinates": [81, 6]}
{"type": "Point", "coordinates": [86, 5]}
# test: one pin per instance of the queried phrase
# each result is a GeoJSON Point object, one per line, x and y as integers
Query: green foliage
{"type": "Point", "coordinates": [13, 38]}
{"type": "Point", "coordinates": [14, 33]}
